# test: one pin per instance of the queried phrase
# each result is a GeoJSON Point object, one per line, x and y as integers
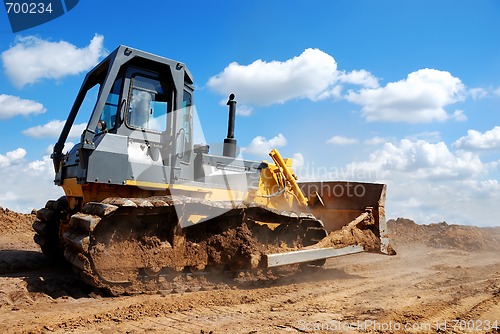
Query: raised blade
{"type": "Point", "coordinates": [339, 203]}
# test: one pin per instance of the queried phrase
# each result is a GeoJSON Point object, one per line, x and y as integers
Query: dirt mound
{"type": "Point", "coordinates": [12, 222]}
{"type": "Point", "coordinates": [350, 236]}
{"type": "Point", "coordinates": [442, 235]}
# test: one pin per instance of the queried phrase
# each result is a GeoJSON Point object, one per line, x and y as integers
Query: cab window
{"type": "Point", "coordinates": [148, 105]}
{"type": "Point", "coordinates": [107, 121]}
{"type": "Point", "coordinates": [187, 121]}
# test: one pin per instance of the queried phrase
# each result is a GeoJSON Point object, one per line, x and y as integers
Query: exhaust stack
{"type": "Point", "coordinates": [230, 143]}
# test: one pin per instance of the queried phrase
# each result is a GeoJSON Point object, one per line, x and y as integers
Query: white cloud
{"type": "Point", "coordinates": [475, 140]}
{"type": "Point", "coordinates": [27, 185]}
{"type": "Point", "coordinates": [429, 136]}
{"type": "Point", "coordinates": [244, 110]}
{"type": "Point", "coordinates": [53, 128]}
{"type": "Point", "coordinates": [377, 141]}
{"type": "Point", "coordinates": [333, 92]}
{"type": "Point", "coordinates": [298, 161]}
{"type": "Point", "coordinates": [340, 140]}
{"type": "Point", "coordinates": [260, 146]}
{"type": "Point", "coordinates": [458, 202]}
{"type": "Point", "coordinates": [422, 160]}
{"type": "Point", "coordinates": [426, 182]}
{"type": "Point", "coordinates": [312, 75]}
{"type": "Point", "coordinates": [360, 77]}
{"type": "Point", "coordinates": [11, 106]}
{"type": "Point", "coordinates": [459, 116]}
{"type": "Point", "coordinates": [419, 98]}
{"type": "Point", "coordinates": [12, 157]}
{"type": "Point", "coordinates": [429, 183]}
{"type": "Point", "coordinates": [477, 93]}
{"type": "Point", "coordinates": [32, 59]}
{"type": "Point", "coordinates": [264, 83]}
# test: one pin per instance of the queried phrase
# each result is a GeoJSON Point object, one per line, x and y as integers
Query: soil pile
{"type": "Point", "coordinates": [12, 222]}
{"type": "Point", "coordinates": [442, 235]}
{"type": "Point", "coordinates": [350, 236]}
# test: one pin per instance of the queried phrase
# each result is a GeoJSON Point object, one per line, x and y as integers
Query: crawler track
{"type": "Point", "coordinates": [136, 245]}
{"type": "Point", "coordinates": [47, 227]}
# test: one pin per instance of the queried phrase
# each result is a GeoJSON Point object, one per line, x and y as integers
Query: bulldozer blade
{"type": "Point", "coordinates": [339, 203]}
{"type": "Point", "coordinates": [309, 255]}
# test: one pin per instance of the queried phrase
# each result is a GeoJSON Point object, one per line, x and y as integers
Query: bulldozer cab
{"type": "Point", "coordinates": [142, 115]}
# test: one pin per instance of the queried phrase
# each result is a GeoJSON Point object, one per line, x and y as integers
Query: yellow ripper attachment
{"type": "Point", "coordinates": [291, 177]}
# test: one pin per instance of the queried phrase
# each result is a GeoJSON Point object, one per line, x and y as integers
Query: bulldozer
{"type": "Point", "coordinates": [147, 207]}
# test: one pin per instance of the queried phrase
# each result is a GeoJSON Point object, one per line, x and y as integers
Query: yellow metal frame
{"type": "Point", "coordinates": [290, 176]}
{"type": "Point", "coordinates": [277, 189]}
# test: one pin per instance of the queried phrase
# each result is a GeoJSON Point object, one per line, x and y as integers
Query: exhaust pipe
{"type": "Point", "coordinates": [230, 143]}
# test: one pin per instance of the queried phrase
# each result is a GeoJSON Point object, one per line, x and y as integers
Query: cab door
{"type": "Point", "coordinates": [148, 119]}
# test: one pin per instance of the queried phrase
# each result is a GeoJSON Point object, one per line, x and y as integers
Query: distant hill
{"type": "Point", "coordinates": [442, 235]}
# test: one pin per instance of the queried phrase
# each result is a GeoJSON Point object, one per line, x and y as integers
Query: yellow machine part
{"type": "Point", "coordinates": [277, 189]}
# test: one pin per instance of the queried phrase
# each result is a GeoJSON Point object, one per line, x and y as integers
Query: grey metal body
{"type": "Point", "coordinates": [125, 151]}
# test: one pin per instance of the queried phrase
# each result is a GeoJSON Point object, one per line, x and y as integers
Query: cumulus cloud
{"type": "Point", "coordinates": [26, 184]}
{"type": "Point", "coordinates": [359, 77]}
{"type": "Point", "coordinates": [266, 83]}
{"type": "Point", "coordinates": [430, 183]}
{"type": "Point", "coordinates": [457, 202]}
{"type": "Point", "coordinates": [341, 140]}
{"type": "Point", "coordinates": [419, 98]}
{"type": "Point", "coordinates": [477, 93]}
{"type": "Point", "coordinates": [298, 161]}
{"type": "Point", "coordinates": [32, 59]}
{"type": "Point", "coordinates": [260, 146]}
{"type": "Point", "coordinates": [427, 182]}
{"type": "Point", "coordinates": [422, 160]}
{"type": "Point", "coordinates": [475, 140]}
{"type": "Point", "coordinates": [11, 106]}
{"type": "Point", "coordinates": [459, 116]}
{"type": "Point", "coordinates": [244, 110]}
{"type": "Point", "coordinates": [311, 75]}
{"type": "Point", "coordinates": [12, 157]}
{"type": "Point", "coordinates": [53, 128]}
{"type": "Point", "coordinates": [377, 140]}
{"type": "Point", "coordinates": [429, 136]}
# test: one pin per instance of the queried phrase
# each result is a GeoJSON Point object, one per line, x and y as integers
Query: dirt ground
{"type": "Point", "coordinates": [444, 279]}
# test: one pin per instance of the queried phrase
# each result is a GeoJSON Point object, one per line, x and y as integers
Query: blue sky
{"type": "Point", "coordinates": [401, 92]}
